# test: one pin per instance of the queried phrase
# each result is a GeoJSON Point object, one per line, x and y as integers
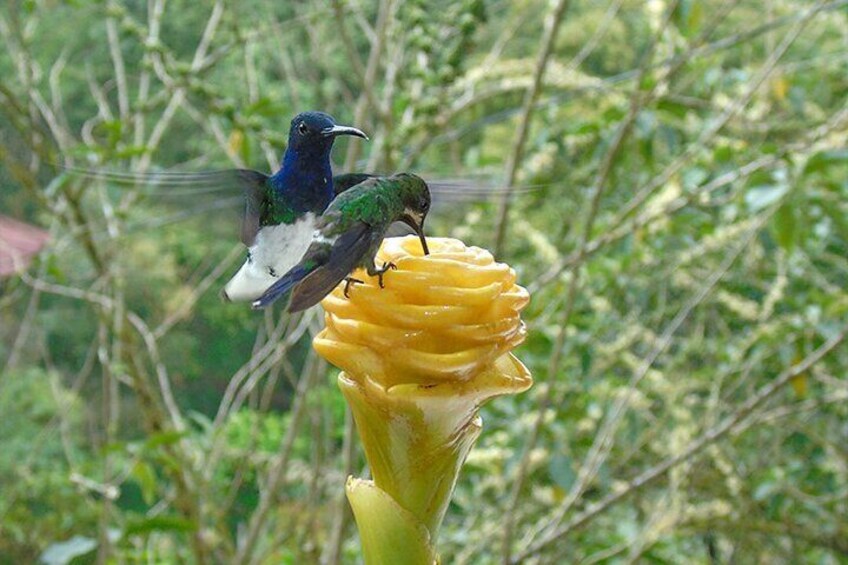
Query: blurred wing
{"type": "Point", "coordinates": [446, 190]}
{"type": "Point", "coordinates": [449, 190]}
{"type": "Point", "coordinates": [232, 180]}
{"type": "Point", "coordinates": [255, 187]}
{"type": "Point", "coordinates": [349, 180]}
{"type": "Point", "coordinates": [196, 192]}
{"type": "Point", "coordinates": [205, 193]}
{"type": "Point", "coordinates": [347, 252]}
{"type": "Point", "coordinates": [172, 182]}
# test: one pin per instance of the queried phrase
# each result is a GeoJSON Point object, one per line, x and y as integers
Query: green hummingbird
{"type": "Point", "coordinates": [349, 234]}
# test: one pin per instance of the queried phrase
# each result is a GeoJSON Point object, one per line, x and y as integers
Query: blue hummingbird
{"type": "Point", "coordinates": [281, 210]}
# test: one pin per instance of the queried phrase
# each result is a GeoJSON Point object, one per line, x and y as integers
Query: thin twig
{"type": "Point", "coordinates": [276, 474]}
{"type": "Point", "coordinates": [552, 26]}
{"type": "Point", "coordinates": [603, 440]}
{"type": "Point", "coordinates": [728, 425]}
{"type": "Point", "coordinates": [341, 513]}
{"type": "Point", "coordinates": [118, 64]}
{"type": "Point", "coordinates": [369, 80]}
{"type": "Point", "coordinates": [637, 100]}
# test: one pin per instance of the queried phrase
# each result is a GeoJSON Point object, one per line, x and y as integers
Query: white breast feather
{"type": "Point", "coordinates": [276, 249]}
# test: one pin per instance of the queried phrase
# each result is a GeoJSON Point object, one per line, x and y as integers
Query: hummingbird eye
{"type": "Point", "coordinates": [302, 128]}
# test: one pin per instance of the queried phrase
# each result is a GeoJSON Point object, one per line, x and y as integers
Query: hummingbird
{"type": "Point", "coordinates": [348, 235]}
{"type": "Point", "coordinates": [281, 210]}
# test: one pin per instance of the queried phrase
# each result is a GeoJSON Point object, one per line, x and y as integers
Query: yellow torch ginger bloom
{"type": "Point", "coordinates": [420, 357]}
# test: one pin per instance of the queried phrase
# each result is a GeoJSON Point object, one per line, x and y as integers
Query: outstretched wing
{"type": "Point", "coordinates": [347, 252]}
{"type": "Point", "coordinates": [192, 194]}
{"type": "Point", "coordinates": [255, 187]}
{"type": "Point", "coordinates": [446, 191]}
{"type": "Point", "coordinates": [224, 181]}
{"type": "Point", "coordinates": [198, 191]}
{"type": "Point", "coordinates": [348, 180]}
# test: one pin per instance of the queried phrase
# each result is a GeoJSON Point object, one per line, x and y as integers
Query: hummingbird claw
{"type": "Point", "coordinates": [349, 281]}
{"type": "Point", "coordinates": [381, 272]}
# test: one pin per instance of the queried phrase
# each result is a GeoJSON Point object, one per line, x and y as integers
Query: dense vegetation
{"type": "Point", "coordinates": [679, 216]}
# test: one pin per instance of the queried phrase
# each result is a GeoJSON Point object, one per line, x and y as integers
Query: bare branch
{"type": "Point", "coordinates": [551, 30]}
{"type": "Point", "coordinates": [730, 424]}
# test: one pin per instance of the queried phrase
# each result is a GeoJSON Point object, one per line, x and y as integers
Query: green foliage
{"type": "Point", "coordinates": [42, 439]}
{"type": "Point", "coordinates": [145, 420]}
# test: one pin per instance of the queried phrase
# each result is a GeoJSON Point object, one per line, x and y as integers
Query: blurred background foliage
{"type": "Point", "coordinates": [679, 181]}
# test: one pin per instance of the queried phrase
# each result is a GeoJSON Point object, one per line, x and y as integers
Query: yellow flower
{"type": "Point", "coordinates": [441, 317]}
{"type": "Point", "coordinates": [420, 357]}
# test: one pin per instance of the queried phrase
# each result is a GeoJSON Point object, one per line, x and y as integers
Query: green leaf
{"type": "Point", "coordinates": [55, 270]}
{"type": "Point", "coordinates": [824, 159]}
{"type": "Point", "coordinates": [159, 524]}
{"type": "Point", "coordinates": [765, 490]}
{"type": "Point", "coordinates": [246, 149]}
{"type": "Point", "coordinates": [145, 476]}
{"type": "Point", "coordinates": [838, 217]}
{"type": "Point", "coordinates": [672, 108]}
{"type": "Point", "coordinates": [585, 361]}
{"type": "Point", "coordinates": [785, 226]}
{"type": "Point", "coordinates": [688, 15]}
{"type": "Point", "coordinates": [389, 533]}
{"type": "Point", "coordinates": [694, 177]}
{"type": "Point", "coordinates": [163, 438]}
{"type": "Point", "coordinates": [760, 197]}
{"type": "Point", "coordinates": [265, 107]}
{"type": "Point", "coordinates": [64, 552]}
{"type": "Point", "coordinates": [561, 471]}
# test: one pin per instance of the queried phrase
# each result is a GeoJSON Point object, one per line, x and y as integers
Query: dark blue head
{"type": "Point", "coordinates": [305, 178]}
{"type": "Point", "coordinates": [313, 133]}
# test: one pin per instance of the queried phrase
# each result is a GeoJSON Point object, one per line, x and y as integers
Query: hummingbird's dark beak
{"type": "Point", "coordinates": [423, 241]}
{"type": "Point", "coordinates": [419, 229]}
{"type": "Point", "coordinates": [343, 130]}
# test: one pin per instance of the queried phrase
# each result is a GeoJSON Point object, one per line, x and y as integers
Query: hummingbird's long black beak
{"type": "Point", "coordinates": [419, 229]}
{"type": "Point", "coordinates": [423, 240]}
{"type": "Point", "coordinates": [343, 130]}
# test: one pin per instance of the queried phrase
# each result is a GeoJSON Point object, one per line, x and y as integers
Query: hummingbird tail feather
{"type": "Point", "coordinates": [347, 252]}
{"type": "Point", "coordinates": [282, 287]}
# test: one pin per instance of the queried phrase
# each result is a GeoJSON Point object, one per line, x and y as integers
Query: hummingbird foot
{"type": "Point", "coordinates": [386, 266]}
{"type": "Point", "coordinates": [349, 281]}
